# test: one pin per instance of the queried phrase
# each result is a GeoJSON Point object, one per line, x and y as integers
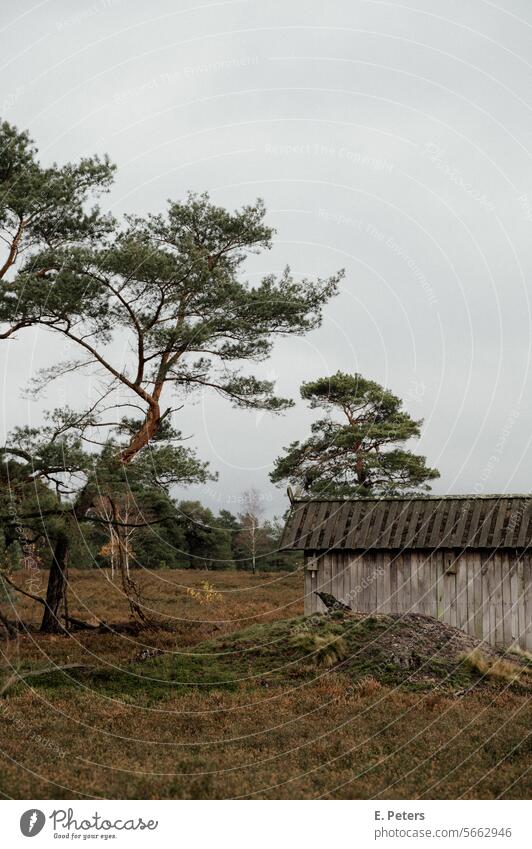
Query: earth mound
{"type": "Point", "coordinates": [409, 651]}
{"type": "Point", "coordinates": [398, 649]}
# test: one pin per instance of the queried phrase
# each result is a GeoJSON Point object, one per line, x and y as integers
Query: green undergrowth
{"type": "Point", "coordinates": [409, 652]}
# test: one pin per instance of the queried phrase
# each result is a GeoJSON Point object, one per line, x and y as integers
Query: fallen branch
{"type": "Point", "coordinates": [82, 625]}
{"type": "Point", "coordinates": [79, 623]}
{"type": "Point", "coordinates": [24, 592]}
{"type": "Point", "coordinates": [465, 692]}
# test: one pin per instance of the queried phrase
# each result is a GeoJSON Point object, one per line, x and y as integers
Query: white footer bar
{"type": "Point", "coordinates": [263, 825]}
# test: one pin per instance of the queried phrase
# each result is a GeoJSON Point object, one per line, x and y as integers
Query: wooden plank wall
{"type": "Point", "coordinates": [487, 594]}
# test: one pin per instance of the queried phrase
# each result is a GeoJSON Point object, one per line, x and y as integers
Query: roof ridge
{"type": "Point", "coordinates": [414, 497]}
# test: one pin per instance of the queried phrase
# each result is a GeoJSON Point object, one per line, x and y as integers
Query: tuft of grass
{"type": "Point", "coordinates": [367, 686]}
{"type": "Point", "coordinates": [497, 668]}
{"type": "Point", "coordinates": [322, 651]}
{"type": "Point", "coordinates": [522, 653]}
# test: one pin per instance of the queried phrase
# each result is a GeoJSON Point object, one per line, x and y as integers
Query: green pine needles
{"type": "Point", "coordinates": [361, 455]}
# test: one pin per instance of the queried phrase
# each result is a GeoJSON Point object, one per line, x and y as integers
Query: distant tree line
{"type": "Point", "coordinates": [158, 533]}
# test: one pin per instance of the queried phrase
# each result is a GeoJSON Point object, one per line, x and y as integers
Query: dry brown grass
{"type": "Point", "coordinates": [499, 668]}
{"type": "Point", "coordinates": [323, 735]}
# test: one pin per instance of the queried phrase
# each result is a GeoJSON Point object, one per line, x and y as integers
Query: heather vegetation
{"type": "Point", "coordinates": [244, 697]}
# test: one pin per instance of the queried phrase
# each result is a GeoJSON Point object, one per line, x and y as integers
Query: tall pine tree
{"type": "Point", "coordinates": [361, 455]}
{"type": "Point", "coordinates": [172, 288]}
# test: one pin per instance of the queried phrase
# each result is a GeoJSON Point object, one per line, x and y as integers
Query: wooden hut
{"type": "Point", "coordinates": [466, 560]}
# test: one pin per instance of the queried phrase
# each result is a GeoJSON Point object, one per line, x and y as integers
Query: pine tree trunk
{"type": "Point", "coordinates": [55, 592]}
{"type": "Point", "coordinates": [57, 583]}
{"type": "Point", "coordinates": [57, 577]}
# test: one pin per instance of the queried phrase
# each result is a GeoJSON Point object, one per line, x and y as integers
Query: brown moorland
{"type": "Point", "coordinates": [239, 696]}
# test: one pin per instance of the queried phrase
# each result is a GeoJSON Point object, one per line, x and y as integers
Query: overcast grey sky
{"type": "Point", "coordinates": [391, 139]}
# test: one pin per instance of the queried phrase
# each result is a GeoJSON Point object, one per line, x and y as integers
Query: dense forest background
{"type": "Point", "coordinates": [173, 535]}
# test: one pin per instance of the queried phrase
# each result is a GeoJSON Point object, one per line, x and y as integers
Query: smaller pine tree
{"type": "Point", "coordinates": [362, 455]}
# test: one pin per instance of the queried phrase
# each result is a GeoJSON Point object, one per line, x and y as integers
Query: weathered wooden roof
{"type": "Point", "coordinates": [450, 521]}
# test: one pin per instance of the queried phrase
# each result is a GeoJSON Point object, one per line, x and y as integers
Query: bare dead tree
{"type": "Point", "coordinates": [252, 535]}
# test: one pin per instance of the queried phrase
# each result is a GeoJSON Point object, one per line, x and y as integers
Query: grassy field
{"type": "Point", "coordinates": [242, 697]}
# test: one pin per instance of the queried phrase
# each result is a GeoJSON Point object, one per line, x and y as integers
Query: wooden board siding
{"type": "Point", "coordinates": [486, 594]}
